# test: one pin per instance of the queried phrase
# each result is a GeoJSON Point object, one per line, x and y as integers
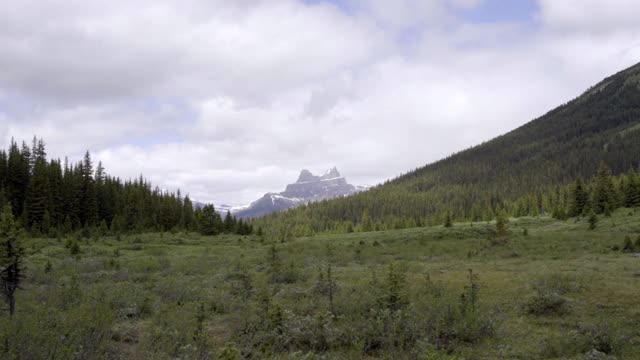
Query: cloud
{"type": "Point", "coordinates": [590, 16]}
{"type": "Point", "coordinates": [163, 48]}
{"type": "Point", "coordinates": [230, 99]}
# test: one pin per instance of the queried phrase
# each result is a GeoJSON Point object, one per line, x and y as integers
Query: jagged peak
{"type": "Point", "coordinates": [306, 176]}
{"type": "Point", "coordinates": [331, 173]}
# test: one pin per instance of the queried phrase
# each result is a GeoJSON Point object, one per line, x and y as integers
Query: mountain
{"type": "Point", "coordinates": [307, 189]}
{"type": "Point", "coordinates": [602, 124]}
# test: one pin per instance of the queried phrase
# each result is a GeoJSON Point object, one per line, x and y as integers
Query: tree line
{"type": "Point", "coordinates": [52, 197]}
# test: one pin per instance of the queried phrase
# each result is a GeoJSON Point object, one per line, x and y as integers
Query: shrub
{"type": "Point", "coordinates": [558, 283]}
{"type": "Point", "coordinates": [74, 248]}
{"type": "Point", "coordinates": [546, 304]}
{"type": "Point", "coordinates": [48, 267]}
{"type": "Point", "coordinates": [593, 221]}
{"type": "Point", "coordinates": [230, 352]}
{"type": "Point", "coordinates": [627, 246]}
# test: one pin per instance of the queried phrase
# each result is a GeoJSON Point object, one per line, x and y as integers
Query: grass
{"type": "Point", "coordinates": [558, 292]}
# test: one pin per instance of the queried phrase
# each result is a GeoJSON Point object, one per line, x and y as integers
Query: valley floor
{"type": "Point", "coordinates": [550, 290]}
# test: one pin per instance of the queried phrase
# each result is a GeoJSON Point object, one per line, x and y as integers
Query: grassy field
{"type": "Point", "coordinates": [551, 289]}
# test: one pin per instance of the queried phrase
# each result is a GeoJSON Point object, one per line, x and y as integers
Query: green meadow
{"type": "Point", "coordinates": [550, 289]}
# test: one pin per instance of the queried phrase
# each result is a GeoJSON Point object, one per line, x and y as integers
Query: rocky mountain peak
{"type": "Point", "coordinates": [308, 188]}
{"type": "Point", "coordinates": [306, 176]}
{"type": "Point", "coordinates": [331, 174]}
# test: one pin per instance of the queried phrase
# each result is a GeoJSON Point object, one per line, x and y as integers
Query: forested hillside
{"type": "Point", "coordinates": [602, 125]}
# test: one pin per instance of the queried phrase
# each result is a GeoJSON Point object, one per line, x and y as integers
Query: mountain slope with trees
{"type": "Point", "coordinates": [601, 125]}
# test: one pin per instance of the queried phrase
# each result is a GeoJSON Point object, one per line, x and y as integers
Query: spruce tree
{"type": "Point", "coordinates": [604, 192]}
{"type": "Point", "coordinates": [229, 223]}
{"type": "Point", "coordinates": [394, 297]}
{"type": "Point", "coordinates": [3, 168]}
{"type": "Point", "coordinates": [579, 198]}
{"type": "Point", "coordinates": [46, 224]}
{"type": "Point", "coordinates": [593, 220]}
{"type": "Point", "coordinates": [3, 197]}
{"type": "Point", "coordinates": [88, 198]}
{"type": "Point", "coordinates": [103, 229]}
{"type": "Point", "coordinates": [188, 218]}
{"type": "Point", "coordinates": [502, 226]}
{"type": "Point", "coordinates": [17, 178]}
{"type": "Point", "coordinates": [67, 226]}
{"type": "Point", "coordinates": [210, 223]}
{"type": "Point", "coordinates": [448, 221]}
{"type": "Point", "coordinates": [365, 222]}
{"type": "Point", "coordinates": [55, 204]}
{"type": "Point", "coordinates": [627, 245]}
{"type": "Point", "coordinates": [37, 196]}
{"type": "Point", "coordinates": [11, 258]}
{"type": "Point", "coordinates": [632, 189]}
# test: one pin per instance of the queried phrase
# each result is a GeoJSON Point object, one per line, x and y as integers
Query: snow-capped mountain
{"type": "Point", "coordinates": [308, 188]}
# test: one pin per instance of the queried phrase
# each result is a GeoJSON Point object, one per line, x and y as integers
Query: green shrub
{"type": "Point", "coordinates": [48, 267]}
{"type": "Point", "coordinates": [593, 221]}
{"type": "Point", "coordinates": [558, 283]}
{"type": "Point", "coordinates": [627, 245]}
{"type": "Point", "coordinates": [546, 304]}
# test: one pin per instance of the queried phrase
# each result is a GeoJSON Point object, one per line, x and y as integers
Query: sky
{"type": "Point", "coordinates": [230, 99]}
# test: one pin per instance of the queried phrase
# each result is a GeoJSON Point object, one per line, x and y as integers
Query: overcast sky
{"type": "Point", "coordinates": [229, 99]}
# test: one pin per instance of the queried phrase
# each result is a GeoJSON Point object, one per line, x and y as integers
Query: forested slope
{"type": "Point", "coordinates": [601, 125]}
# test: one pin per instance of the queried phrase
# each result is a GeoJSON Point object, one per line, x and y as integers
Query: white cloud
{"type": "Point", "coordinates": [591, 16]}
{"type": "Point", "coordinates": [230, 99]}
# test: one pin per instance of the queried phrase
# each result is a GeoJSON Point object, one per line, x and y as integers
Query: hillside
{"type": "Point", "coordinates": [603, 124]}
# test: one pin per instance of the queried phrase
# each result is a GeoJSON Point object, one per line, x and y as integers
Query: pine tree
{"type": "Point", "coordinates": [88, 198]}
{"type": "Point", "coordinates": [103, 229]}
{"type": "Point", "coordinates": [627, 246]}
{"type": "Point", "coordinates": [365, 222]}
{"type": "Point", "coordinates": [46, 224]}
{"type": "Point", "coordinates": [394, 296]}
{"type": "Point", "coordinates": [604, 192]}
{"type": "Point", "coordinates": [593, 220]}
{"type": "Point", "coordinates": [188, 218]}
{"type": "Point", "coordinates": [632, 190]}
{"type": "Point", "coordinates": [17, 178]}
{"type": "Point", "coordinates": [502, 226]}
{"type": "Point", "coordinates": [448, 221]}
{"type": "Point", "coordinates": [37, 196]}
{"type": "Point", "coordinates": [331, 289]}
{"type": "Point", "coordinates": [579, 198]}
{"type": "Point", "coordinates": [229, 223]}
{"type": "Point", "coordinates": [3, 168]}
{"type": "Point", "coordinates": [3, 197]}
{"type": "Point", "coordinates": [67, 226]}
{"type": "Point", "coordinates": [11, 254]}
{"type": "Point", "coordinates": [55, 204]}
{"type": "Point", "coordinates": [210, 223]}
